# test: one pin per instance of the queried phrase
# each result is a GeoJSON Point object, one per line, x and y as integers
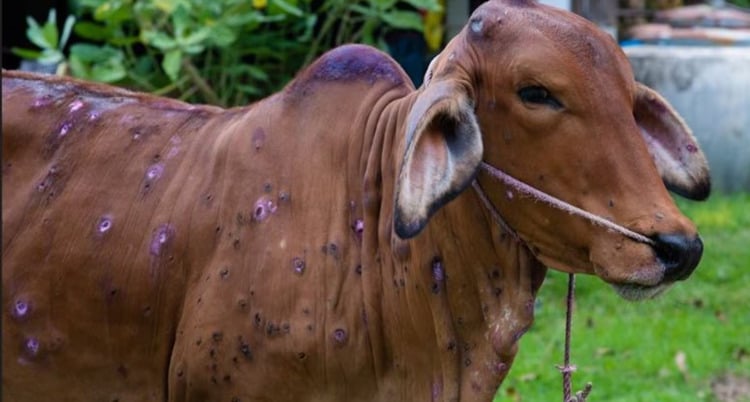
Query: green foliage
{"type": "Point", "coordinates": [48, 38]}
{"type": "Point", "coordinates": [225, 52]}
{"type": "Point", "coordinates": [669, 349]}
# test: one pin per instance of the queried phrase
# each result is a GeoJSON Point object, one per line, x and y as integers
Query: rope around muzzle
{"type": "Point", "coordinates": [566, 369]}
{"type": "Point", "coordinates": [540, 195]}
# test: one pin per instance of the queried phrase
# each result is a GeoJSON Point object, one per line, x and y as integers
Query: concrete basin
{"type": "Point", "coordinates": [710, 87]}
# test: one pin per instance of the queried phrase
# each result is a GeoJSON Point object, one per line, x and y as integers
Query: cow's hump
{"type": "Point", "coordinates": [350, 64]}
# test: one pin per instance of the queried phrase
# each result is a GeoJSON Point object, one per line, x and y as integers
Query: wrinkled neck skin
{"type": "Point", "coordinates": [462, 286]}
{"type": "Point", "coordinates": [436, 317]}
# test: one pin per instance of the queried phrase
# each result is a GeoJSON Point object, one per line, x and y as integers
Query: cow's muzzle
{"type": "Point", "coordinates": [679, 254]}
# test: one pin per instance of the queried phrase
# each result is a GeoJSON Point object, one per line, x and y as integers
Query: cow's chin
{"type": "Point", "coordinates": [635, 274]}
{"type": "Point", "coordinates": [643, 283]}
{"type": "Point", "coordinates": [634, 292]}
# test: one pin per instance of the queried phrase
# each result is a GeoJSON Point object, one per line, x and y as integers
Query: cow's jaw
{"type": "Point", "coordinates": [646, 282]}
{"type": "Point", "coordinates": [634, 257]}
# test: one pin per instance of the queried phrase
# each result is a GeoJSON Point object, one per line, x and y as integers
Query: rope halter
{"type": "Point", "coordinates": [566, 369]}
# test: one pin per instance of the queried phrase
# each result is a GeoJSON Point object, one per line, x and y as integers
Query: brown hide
{"type": "Point", "coordinates": [160, 251]}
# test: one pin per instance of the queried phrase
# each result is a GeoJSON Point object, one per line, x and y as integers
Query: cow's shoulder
{"type": "Point", "coordinates": [350, 64]}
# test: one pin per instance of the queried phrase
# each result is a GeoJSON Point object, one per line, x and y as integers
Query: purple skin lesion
{"type": "Point", "coordinates": [263, 209]}
{"type": "Point", "coordinates": [43, 101]}
{"type": "Point", "coordinates": [657, 106]}
{"type": "Point", "coordinates": [298, 265]}
{"type": "Point", "coordinates": [74, 110]}
{"type": "Point", "coordinates": [438, 275]}
{"type": "Point", "coordinates": [349, 63]}
{"type": "Point", "coordinates": [438, 272]}
{"type": "Point", "coordinates": [437, 390]}
{"type": "Point", "coordinates": [356, 63]}
{"type": "Point", "coordinates": [32, 347]}
{"type": "Point", "coordinates": [152, 175]}
{"type": "Point", "coordinates": [104, 225]}
{"type": "Point", "coordinates": [65, 129]}
{"type": "Point", "coordinates": [359, 228]}
{"type": "Point", "coordinates": [501, 368]}
{"type": "Point", "coordinates": [52, 184]}
{"type": "Point", "coordinates": [21, 308]}
{"type": "Point", "coordinates": [259, 138]}
{"type": "Point", "coordinates": [340, 336]}
{"type": "Point", "coordinates": [154, 172]}
{"type": "Point", "coordinates": [161, 238]}
{"type": "Point", "coordinates": [52, 175]}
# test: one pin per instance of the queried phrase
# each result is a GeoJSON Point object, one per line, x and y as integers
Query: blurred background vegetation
{"type": "Point", "coordinates": [228, 52]}
{"type": "Point", "coordinates": [224, 52]}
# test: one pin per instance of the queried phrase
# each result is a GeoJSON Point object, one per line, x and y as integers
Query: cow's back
{"type": "Point", "coordinates": [93, 274]}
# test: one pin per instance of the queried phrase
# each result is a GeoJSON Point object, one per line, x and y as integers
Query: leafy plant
{"type": "Point", "coordinates": [360, 20]}
{"type": "Point", "coordinates": [225, 52]}
{"type": "Point", "coordinates": [48, 38]}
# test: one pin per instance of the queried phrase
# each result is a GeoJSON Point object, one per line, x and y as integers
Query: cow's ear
{"type": "Point", "coordinates": [443, 152]}
{"type": "Point", "coordinates": [680, 161]}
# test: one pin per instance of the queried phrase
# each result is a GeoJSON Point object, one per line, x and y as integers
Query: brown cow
{"type": "Point", "coordinates": [326, 243]}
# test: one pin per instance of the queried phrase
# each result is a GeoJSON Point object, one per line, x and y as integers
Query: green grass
{"type": "Point", "coordinates": [629, 351]}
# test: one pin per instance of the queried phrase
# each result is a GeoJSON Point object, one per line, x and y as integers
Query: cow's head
{"type": "Point", "coordinates": [550, 99]}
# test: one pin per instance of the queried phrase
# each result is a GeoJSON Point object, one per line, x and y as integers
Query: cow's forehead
{"type": "Point", "coordinates": [528, 22]}
{"type": "Point", "coordinates": [544, 42]}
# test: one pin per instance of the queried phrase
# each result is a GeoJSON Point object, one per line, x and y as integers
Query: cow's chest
{"type": "Point", "coordinates": [278, 300]}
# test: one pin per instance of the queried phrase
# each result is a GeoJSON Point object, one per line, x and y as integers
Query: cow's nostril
{"type": "Point", "coordinates": [679, 254]}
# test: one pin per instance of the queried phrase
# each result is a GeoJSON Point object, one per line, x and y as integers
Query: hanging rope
{"type": "Point", "coordinates": [567, 369]}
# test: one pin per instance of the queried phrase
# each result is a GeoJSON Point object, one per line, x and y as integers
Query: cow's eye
{"type": "Point", "coordinates": [538, 95]}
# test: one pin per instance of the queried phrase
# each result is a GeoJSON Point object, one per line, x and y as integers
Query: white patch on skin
{"type": "Point", "coordinates": [154, 171]}
{"type": "Point", "coordinates": [282, 244]}
{"type": "Point", "coordinates": [21, 308]}
{"type": "Point", "coordinates": [76, 105]}
{"type": "Point", "coordinates": [175, 148]}
{"type": "Point", "coordinates": [105, 224]}
{"type": "Point", "coordinates": [477, 25]}
{"type": "Point", "coordinates": [65, 129]}
{"type": "Point", "coordinates": [263, 208]}
{"type": "Point", "coordinates": [507, 314]}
